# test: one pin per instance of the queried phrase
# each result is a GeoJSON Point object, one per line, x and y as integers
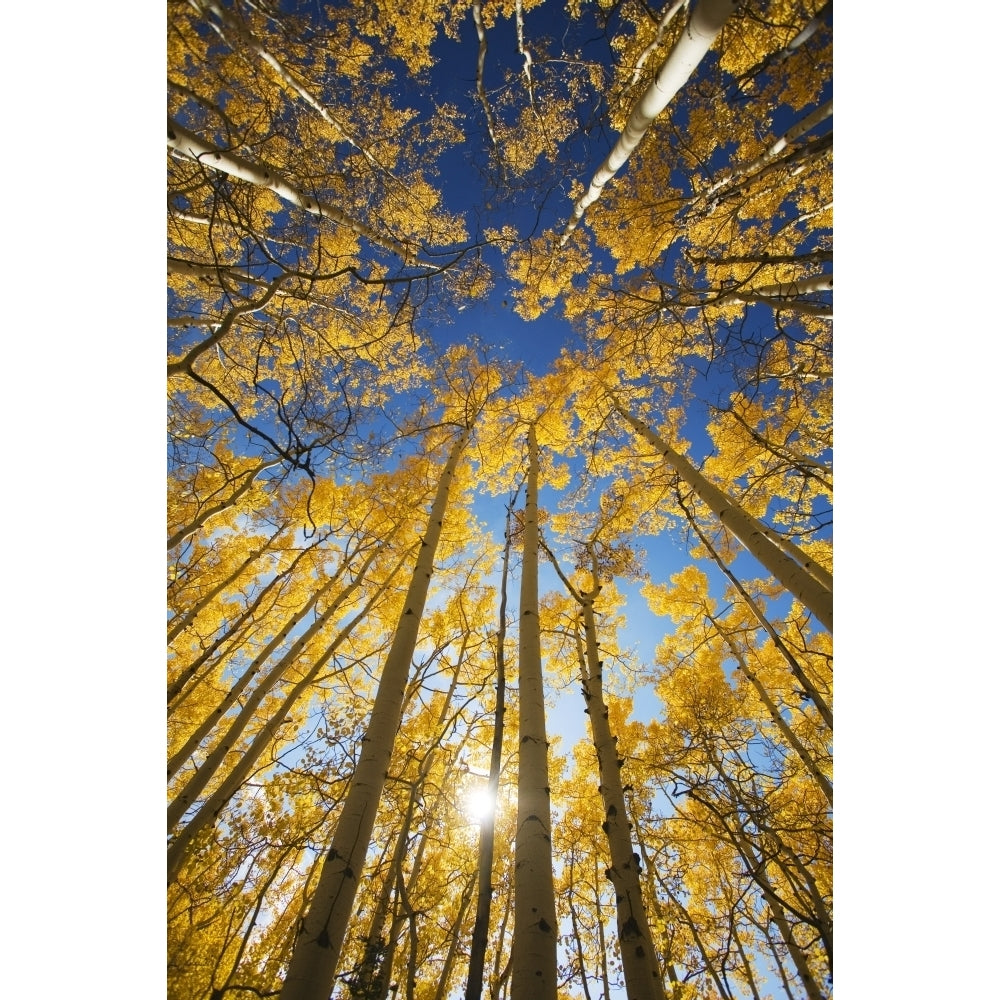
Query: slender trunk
{"type": "Point", "coordinates": [266, 685]}
{"type": "Point", "coordinates": [657, 908]}
{"type": "Point", "coordinates": [748, 974]}
{"type": "Point", "coordinates": [181, 621]}
{"type": "Point", "coordinates": [372, 978]}
{"type": "Point", "coordinates": [263, 175]}
{"type": "Point", "coordinates": [800, 675]}
{"type": "Point", "coordinates": [477, 17]}
{"type": "Point", "coordinates": [797, 955]}
{"type": "Point", "coordinates": [216, 802]}
{"type": "Point", "coordinates": [487, 824]}
{"type": "Point", "coordinates": [809, 257]}
{"type": "Point", "coordinates": [667, 17]}
{"type": "Point", "coordinates": [797, 580]}
{"type": "Point", "coordinates": [707, 959]}
{"type": "Point", "coordinates": [785, 295]}
{"type": "Point", "coordinates": [499, 976]}
{"type": "Point", "coordinates": [776, 717]}
{"type": "Point", "coordinates": [779, 964]}
{"type": "Point", "coordinates": [775, 149]}
{"type": "Point", "coordinates": [577, 937]}
{"type": "Point", "coordinates": [449, 960]}
{"type": "Point", "coordinates": [775, 59]}
{"type": "Point", "coordinates": [705, 24]}
{"type": "Point", "coordinates": [793, 289]}
{"type": "Point", "coordinates": [209, 512]}
{"type": "Point", "coordinates": [639, 964]}
{"type": "Point", "coordinates": [175, 690]}
{"type": "Point", "coordinates": [320, 936]}
{"type": "Point", "coordinates": [290, 81]}
{"type": "Point", "coordinates": [534, 975]}
{"type": "Point", "coordinates": [601, 942]}
{"type": "Point", "coordinates": [788, 164]}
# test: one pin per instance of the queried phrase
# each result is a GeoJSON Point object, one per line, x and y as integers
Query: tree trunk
{"type": "Point", "coordinates": [800, 675]}
{"type": "Point", "coordinates": [321, 934]}
{"type": "Point", "coordinates": [796, 131]}
{"type": "Point", "coordinates": [263, 175]}
{"type": "Point", "coordinates": [487, 825]}
{"type": "Point", "coordinates": [216, 802]}
{"type": "Point", "coordinates": [706, 22]}
{"type": "Point", "coordinates": [798, 581]}
{"type": "Point", "coordinates": [266, 685]}
{"type": "Point", "coordinates": [533, 955]}
{"type": "Point", "coordinates": [251, 477]}
{"type": "Point", "coordinates": [182, 620]}
{"type": "Point", "coordinates": [639, 964]}
{"type": "Point", "coordinates": [235, 631]}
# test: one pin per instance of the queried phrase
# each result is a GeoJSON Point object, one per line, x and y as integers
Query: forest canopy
{"type": "Point", "coordinates": [499, 499]}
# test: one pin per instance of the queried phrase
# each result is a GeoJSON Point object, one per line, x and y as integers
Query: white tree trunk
{"type": "Point", "coordinates": [209, 512]}
{"type": "Point", "coordinates": [183, 620]}
{"type": "Point", "coordinates": [787, 295]}
{"type": "Point", "coordinates": [795, 132]}
{"type": "Point", "coordinates": [639, 962]}
{"type": "Point", "coordinates": [793, 289]}
{"type": "Point", "coordinates": [321, 933]}
{"type": "Point", "coordinates": [706, 22]}
{"type": "Point", "coordinates": [534, 946]}
{"type": "Point", "coordinates": [268, 681]}
{"type": "Point", "coordinates": [286, 77]}
{"type": "Point", "coordinates": [200, 779]}
{"type": "Point", "coordinates": [533, 953]}
{"type": "Point", "coordinates": [668, 15]}
{"type": "Point", "coordinates": [188, 144]}
{"type": "Point", "coordinates": [216, 802]}
{"type": "Point", "coordinates": [798, 581]}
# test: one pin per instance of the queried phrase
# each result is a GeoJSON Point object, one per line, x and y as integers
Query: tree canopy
{"type": "Point", "coordinates": [499, 499]}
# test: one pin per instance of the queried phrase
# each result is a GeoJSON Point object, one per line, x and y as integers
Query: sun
{"type": "Point", "coordinates": [477, 804]}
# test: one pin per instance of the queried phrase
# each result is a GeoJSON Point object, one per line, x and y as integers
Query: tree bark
{"type": "Point", "coordinates": [800, 675]}
{"type": "Point", "coordinates": [182, 620]}
{"type": "Point", "coordinates": [487, 825]}
{"type": "Point", "coordinates": [263, 175]}
{"type": "Point", "coordinates": [216, 802]}
{"type": "Point", "coordinates": [533, 954]}
{"type": "Point", "coordinates": [234, 631]}
{"type": "Point", "coordinates": [643, 980]}
{"type": "Point", "coordinates": [706, 22]}
{"type": "Point", "coordinates": [251, 477]}
{"type": "Point", "coordinates": [775, 149]}
{"type": "Point", "coordinates": [266, 685]}
{"type": "Point", "coordinates": [320, 936]}
{"type": "Point", "coordinates": [642, 974]}
{"type": "Point", "coordinates": [798, 581]}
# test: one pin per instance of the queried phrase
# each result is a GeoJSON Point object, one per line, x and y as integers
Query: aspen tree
{"type": "Point", "coordinates": [310, 265]}
{"type": "Point", "coordinates": [533, 956]}
{"type": "Point", "coordinates": [642, 975]}
{"type": "Point", "coordinates": [320, 937]}
{"type": "Point", "coordinates": [706, 22]}
{"type": "Point", "coordinates": [794, 577]}
{"type": "Point", "coordinates": [210, 809]}
{"type": "Point", "coordinates": [487, 824]}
